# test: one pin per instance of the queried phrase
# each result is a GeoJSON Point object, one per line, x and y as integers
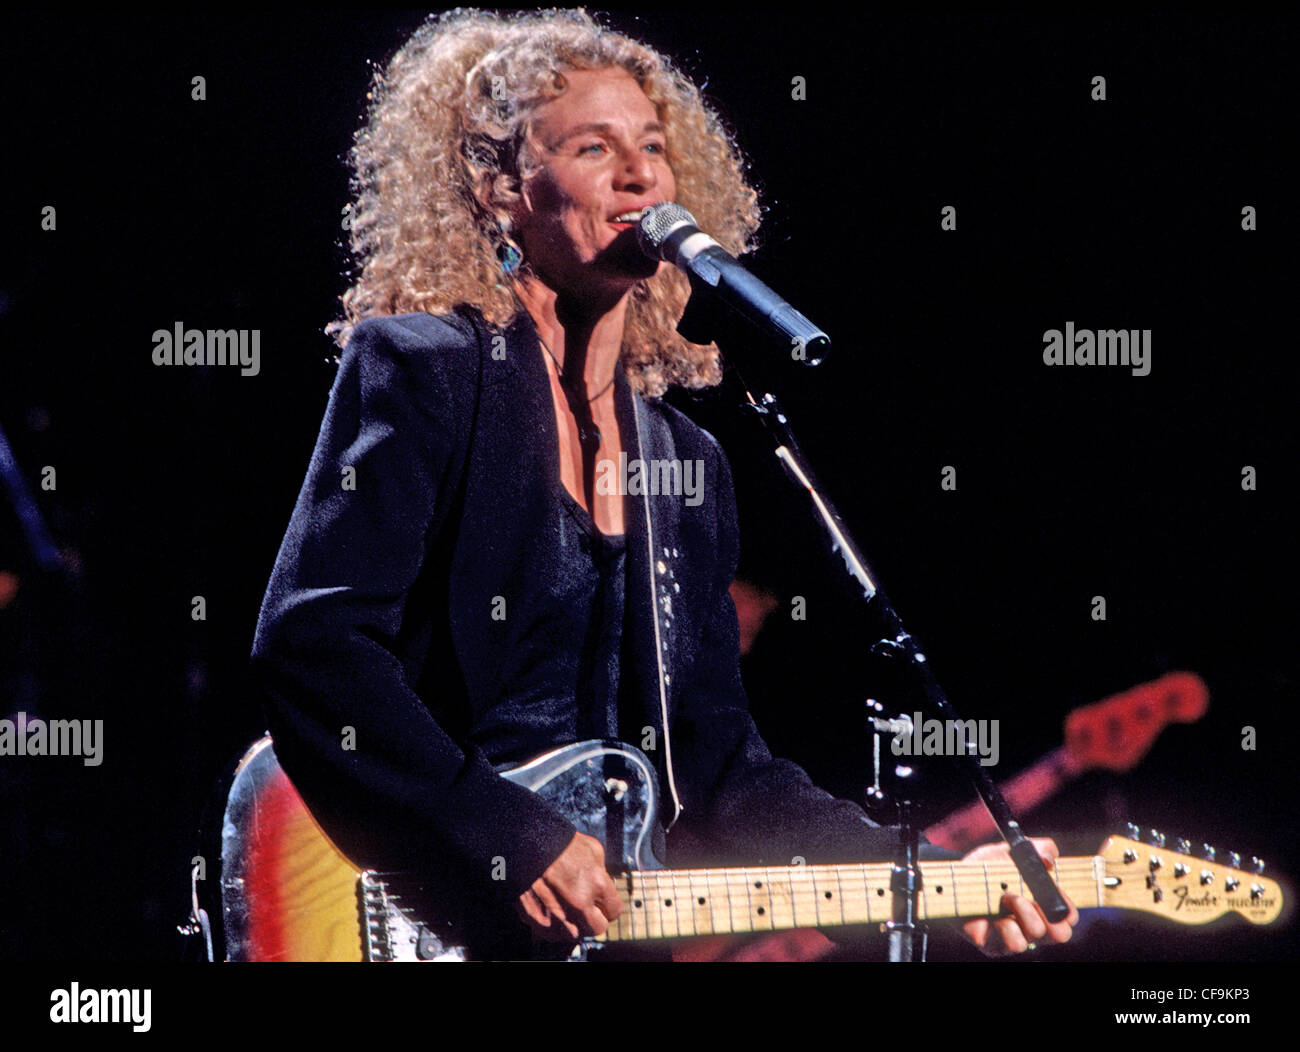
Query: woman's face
{"type": "Point", "coordinates": [602, 156]}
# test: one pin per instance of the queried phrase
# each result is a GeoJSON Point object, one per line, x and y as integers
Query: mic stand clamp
{"type": "Point", "coordinates": [907, 934]}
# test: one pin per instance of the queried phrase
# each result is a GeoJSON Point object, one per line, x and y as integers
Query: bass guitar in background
{"type": "Point", "coordinates": [1113, 734]}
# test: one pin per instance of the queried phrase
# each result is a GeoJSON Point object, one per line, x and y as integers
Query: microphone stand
{"type": "Point", "coordinates": [902, 645]}
{"type": "Point", "coordinates": [906, 935]}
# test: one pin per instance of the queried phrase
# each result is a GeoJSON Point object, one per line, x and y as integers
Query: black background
{"type": "Point", "coordinates": [1072, 482]}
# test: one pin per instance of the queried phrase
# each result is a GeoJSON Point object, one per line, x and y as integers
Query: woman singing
{"type": "Point", "coordinates": [462, 586]}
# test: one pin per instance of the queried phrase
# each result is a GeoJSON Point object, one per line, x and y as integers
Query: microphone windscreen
{"type": "Point", "coordinates": [657, 222]}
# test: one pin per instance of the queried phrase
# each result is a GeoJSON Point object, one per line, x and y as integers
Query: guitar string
{"type": "Point", "coordinates": [1081, 886]}
{"type": "Point", "coordinates": [1081, 865]}
{"type": "Point", "coordinates": [776, 918]}
{"type": "Point", "coordinates": [1079, 874]}
{"type": "Point", "coordinates": [878, 876]}
{"type": "Point", "coordinates": [1080, 883]}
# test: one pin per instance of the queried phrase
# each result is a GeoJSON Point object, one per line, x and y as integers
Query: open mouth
{"type": "Point", "coordinates": [627, 219]}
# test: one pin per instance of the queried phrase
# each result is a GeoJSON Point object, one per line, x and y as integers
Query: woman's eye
{"type": "Point", "coordinates": [595, 148]}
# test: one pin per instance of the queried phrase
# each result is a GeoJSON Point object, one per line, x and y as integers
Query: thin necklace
{"type": "Point", "coordinates": [560, 369]}
{"type": "Point", "coordinates": [589, 436]}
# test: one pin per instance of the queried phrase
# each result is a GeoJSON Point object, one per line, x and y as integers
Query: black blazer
{"type": "Point", "coordinates": [378, 617]}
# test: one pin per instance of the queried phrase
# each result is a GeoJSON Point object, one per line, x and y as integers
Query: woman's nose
{"type": "Point", "coordinates": [637, 170]}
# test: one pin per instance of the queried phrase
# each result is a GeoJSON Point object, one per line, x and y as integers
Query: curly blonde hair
{"type": "Point", "coordinates": [446, 144]}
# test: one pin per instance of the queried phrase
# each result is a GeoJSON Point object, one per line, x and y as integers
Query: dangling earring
{"type": "Point", "coordinates": [509, 256]}
{"type": "Point", "coordinates": [510, 259]}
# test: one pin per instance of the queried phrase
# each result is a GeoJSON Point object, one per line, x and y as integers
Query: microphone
{"type": "Point", "coordinates": [668, 232]}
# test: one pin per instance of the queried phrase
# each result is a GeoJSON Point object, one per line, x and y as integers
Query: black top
{"type": "Point", "coordinates": [568, 679]}
{"type": "Point", "coordinates": [430, 500]}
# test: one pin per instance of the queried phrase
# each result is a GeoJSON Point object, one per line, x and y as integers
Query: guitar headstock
{"type": "Point", "coordinates": [1116, 732]}
{"type": "Point", "coordinates": [1165, 878]}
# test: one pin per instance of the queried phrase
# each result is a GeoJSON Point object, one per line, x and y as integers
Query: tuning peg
{"type": "Point", "coordinates": [1231, 884]}
{"type": "Point", "coordinates": [1208, 852]}
{"type": "Point", "coordinates": [1234, 860]}
{"type": "Point", "coordinates": [1183, 846]}
{"type": "Point", "coordinates": [1132, 831]}
{"type": "Point", "coordinates": [1257, 865]}
{"type": "Point", "coordinates": [1156, 839]}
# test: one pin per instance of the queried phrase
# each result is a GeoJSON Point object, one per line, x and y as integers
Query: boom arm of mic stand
{"type": "Point", "coordinates": [1027, 860]}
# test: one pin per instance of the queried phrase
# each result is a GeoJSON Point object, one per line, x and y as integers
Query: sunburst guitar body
{"type": "Point", "coordinates": [289, 894]}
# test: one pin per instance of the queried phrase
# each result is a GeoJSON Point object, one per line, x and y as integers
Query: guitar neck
{"type": "Point", "coordinates": [973, 823]}
{"type": "Point", "coordinates": [1127, 874]}
{"type": "Point", "coordinates": [674, 903]}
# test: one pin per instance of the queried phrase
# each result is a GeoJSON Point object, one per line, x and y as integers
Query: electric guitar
{"type": "Point", "coordinates": [1112, 734]}
{"type": "Point", "coordinates": [288, 894]}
